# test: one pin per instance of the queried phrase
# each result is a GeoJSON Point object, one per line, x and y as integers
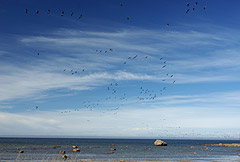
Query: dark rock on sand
{"type": "Point", "coordinates": [64, 157]}
{"type": "Point", "coordinates": [160, 143]}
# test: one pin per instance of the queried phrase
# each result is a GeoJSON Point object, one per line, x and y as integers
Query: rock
{"type": "Point", "coordinates": [160, 143]}
{"type": "Point", "coordinates": [57, 146]}
{"type": "Point", "coordinates": [62, 152]}
{"type": "Point", "coordinates": [64, 157]}
{"type": "Point", "coordinates": [225, 145]}
{"type": "Point", "coordinates": [74, 147]}
{"type": "Point", "coordinates": [76, 150]}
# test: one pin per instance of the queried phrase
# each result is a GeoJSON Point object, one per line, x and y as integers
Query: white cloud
{"type": "Point", "coordinates": [166, 122]}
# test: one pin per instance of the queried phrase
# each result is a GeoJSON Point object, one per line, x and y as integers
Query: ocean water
{"type": "Point", "coordinates": [39, 149]}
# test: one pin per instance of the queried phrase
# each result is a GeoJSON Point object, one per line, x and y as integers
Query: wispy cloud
{"type": "Point", "coordinates": [193, 57]}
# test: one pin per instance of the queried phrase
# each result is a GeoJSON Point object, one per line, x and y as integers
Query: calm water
{"type": "Point", "coordinates": [126, 149]}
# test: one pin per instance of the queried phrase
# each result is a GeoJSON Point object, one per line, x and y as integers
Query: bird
{"type": "Point", "coordinates": [71, 13]}
{"type": "Point", "coordinates": [38, 54]}
{"type": "Point", "coordinates": [187, 10]}
{"type": "Point", "coordinates": [111, 49]}
{"type": "Point", "coordinates": [174, 81]}
{"type": "Point", "coordinates": [26, 10]}
{"type": "Point", "coordinates": [80, 16]}
{"type": "Point", "coordinates": [196, 3]}
{"type": "Point", "coordinates": [37, 12]}
{"type": "Point", "coordinates": [204, 7]}
{"type": "Point", "coordinates": [48, 11]}
{"type": "Point", "coordinates": [193, 9]}
{"type": "Point", "coordinates": [188, 4]}
{"type": "Point", "coordinates": [168, 24]}
{"type": "Point", "coordinates": [163, 66]}
{"type": "Point", "coordinates": [121, 4]}
{"type": "Point", "coordinates": [62, 14]}
{"type": "Point", "coordinates": [125, 62]}
{"type": "Point", "coordinates": [146, 56]}
{"type": "Point", "coordinates": [128, 17]}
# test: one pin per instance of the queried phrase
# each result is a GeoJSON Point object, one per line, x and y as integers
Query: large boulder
{"type": "Point", "coordinates": [160, 143]}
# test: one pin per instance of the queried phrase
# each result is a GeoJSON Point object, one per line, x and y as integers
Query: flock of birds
{"type": "Point", "coordinates": [49, 12]}
{"type": "Point", "coordinates": [112, 89]}
{"type": "Point", "coordinates": [113, 95]}
{"type": "Point", "coordinates": [194, 7]}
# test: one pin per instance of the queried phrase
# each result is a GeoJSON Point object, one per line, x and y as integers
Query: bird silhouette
{"type": "Point", "coordinates": [121, 4]}
{"type": "Point", "coordinates": [128, 18]}
{"type": "Point", "coordinates": [48, 11]}
{"type": "Point", "coordinates": [62, 14]}
{"type": "Point", "coordinates": [37, 12]}
{"type": "Point", "coordinates": [204, 7]}
{"type": "Point", "coordinates": [187, 10]}
{"type": "Point", "coordinates": [71, 13]}
{"type": "Point", "coordinates": [26, 10]}
{"type": "Point", "coordinates": [80, 16]}
{"type": "Point", "coordinates": [188, 4]}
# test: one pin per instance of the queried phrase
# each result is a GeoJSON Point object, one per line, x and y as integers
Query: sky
{"type": "Point", "coordinates": [120, 69]}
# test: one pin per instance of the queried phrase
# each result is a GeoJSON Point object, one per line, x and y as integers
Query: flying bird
{"type": "Point", "coordinates": [121, 4]}
{"type": "Point", "coordinates": [48, 11]}
{"type": "Point", "coordinates": [196, 3]}
{"type": "Point", "coordinates": [72, 14]}
{"type": "Point", "coordinates": [26, 10]}
{"type": "Point", "coordinates": [62, 14]}
{"type": "Point", "coordinates": [204, 7]}
{"type": "Point", "coordinates": [188, 4]}
{"type": "Point", "coordinates": [193, 9]}
{"type": "Point", "coordinates": [80, 16]}
{"type": "Point", "coordinates": [187, 10]}
{"type": "Point", "coordinates": [128, 17]}
{"type": "Point", "coordinates": [37, 12]}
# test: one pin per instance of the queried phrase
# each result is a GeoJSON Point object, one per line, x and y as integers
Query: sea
{"type": "Point", "coordinates": [47, 149]}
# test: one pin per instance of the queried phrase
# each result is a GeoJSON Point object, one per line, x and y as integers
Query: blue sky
{"type": "Point", "coordinates": [155, 80]}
